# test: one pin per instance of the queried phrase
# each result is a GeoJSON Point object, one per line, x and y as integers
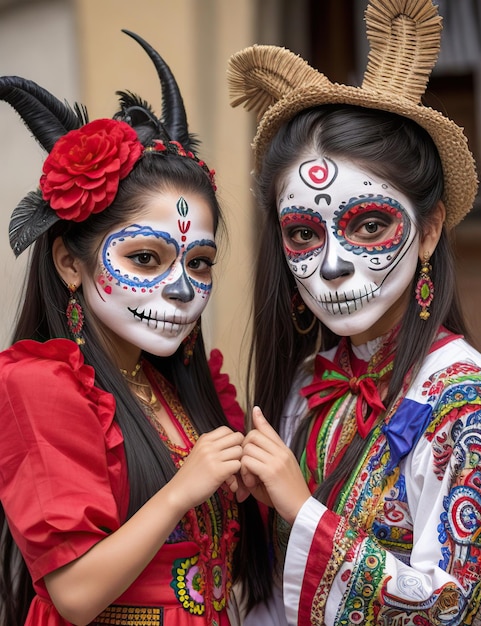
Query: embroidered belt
{"type": "Point", "coordinates": [120, 615]}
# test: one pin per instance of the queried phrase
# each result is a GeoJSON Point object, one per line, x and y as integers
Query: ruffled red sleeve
{"type": "Point", "coordinates": [226, 391]}
{"type": "Point", "coordinates": [62, 468]}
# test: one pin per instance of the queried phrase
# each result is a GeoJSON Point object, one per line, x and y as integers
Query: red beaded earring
{"type": "Point", "coordinates": [75, 316]}
{"type": "Point", "coordinates": [424, 288]}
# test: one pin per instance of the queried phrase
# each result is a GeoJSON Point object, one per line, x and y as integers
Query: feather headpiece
{"type": "Point", "coordinates": [50, 120]}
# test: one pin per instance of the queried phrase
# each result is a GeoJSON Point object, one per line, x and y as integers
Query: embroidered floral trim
{"type": "Point", "coordinates": [189, 585]}
{"type": "Point", "coordinates": [202, 582]}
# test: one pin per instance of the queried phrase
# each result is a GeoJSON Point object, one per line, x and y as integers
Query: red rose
{"type": "Point", "coordinates": [81, 174]}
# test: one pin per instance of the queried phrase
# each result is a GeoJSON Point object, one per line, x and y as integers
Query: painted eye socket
{"type": "Point", "coordinates": [145, 258]}
{"type": "Point", "coordinates": [372, 226]}
{"type": "Point", "coordinates": [199, 261]}
{"type": "Point", "coordinates": [302, 235]}
{"type": "Point", "coordinates": [302, 238]}
{"type": "Point", "coordinates": [302, 230]}
{"type": "Point", "coordinates": [200, 264]}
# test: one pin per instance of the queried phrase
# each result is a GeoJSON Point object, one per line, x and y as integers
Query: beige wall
{"type": "Point", "coordinates": [37, 41]}
{"type": "Point", "coordinates": [195, 37]}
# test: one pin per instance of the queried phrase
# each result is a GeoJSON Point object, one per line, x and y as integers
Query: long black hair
{"type": "Point", "coordinates": [42, 314]}
{"type": "Point", "coordinates": [387, 145]}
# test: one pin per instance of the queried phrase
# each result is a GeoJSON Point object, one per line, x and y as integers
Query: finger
{"type": "Point", "coordinates": [249, 479]}
{"type": "Point", "coordinates": [222, 437]}
{"type": "Point", "coordinates": [254, 470]}
{"type": "Point", "coordinates": [262, 424]}
{"type": "Point", "coordinates": [230, 453]}
{"type": "Point", "coordinates": [242, 492]}
{"type": "Point", "coordinates": [266, 443]}
{"type": "Point", "coordinates": [232, 483]}
{"type": "Point", "coordinates": [259, 450]}
{"type": "Point", "coordinates": [218, 433]}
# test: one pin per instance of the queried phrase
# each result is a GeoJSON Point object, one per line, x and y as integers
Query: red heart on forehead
{"type": "Point", "coordinates": [318, 174]}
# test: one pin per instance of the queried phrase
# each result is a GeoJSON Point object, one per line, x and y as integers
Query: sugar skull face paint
{"type": "Point", "coordinates": [154, 276]}
{"type": "Point", "coordinates": [351, 242]}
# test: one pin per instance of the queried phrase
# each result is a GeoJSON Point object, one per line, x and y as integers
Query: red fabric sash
{"type": "Point", "coordinates": [330, 382]}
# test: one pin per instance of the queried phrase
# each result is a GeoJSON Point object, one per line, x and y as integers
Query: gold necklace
{"type": "Point", "coordinates": [133, 373]}
{"type": "Point", "coordinates": [141, 388]}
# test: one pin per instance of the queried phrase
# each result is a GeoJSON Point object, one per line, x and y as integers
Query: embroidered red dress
{"type": "Point", "coordinates": [64, 487]}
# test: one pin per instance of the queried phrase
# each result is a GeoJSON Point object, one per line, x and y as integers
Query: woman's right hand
{"type": "Point", "coordinates": [271, 471]}
{"type": "Point", "coordinates": [214, 459]}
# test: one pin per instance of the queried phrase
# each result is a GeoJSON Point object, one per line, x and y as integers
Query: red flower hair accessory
{"type": "Point", "coordinates": [81, 175]}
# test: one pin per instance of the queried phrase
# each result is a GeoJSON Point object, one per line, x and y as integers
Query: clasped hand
{"type": "Point", "coordinates": [258, 463]}
{"type": "Point", "coordinates": [270, 471]}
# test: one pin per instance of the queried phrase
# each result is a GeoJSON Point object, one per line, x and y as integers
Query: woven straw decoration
{"type": "Point", "coordinates": [404, 37]}
{"type": "Point", "coordinates": [265, 74]}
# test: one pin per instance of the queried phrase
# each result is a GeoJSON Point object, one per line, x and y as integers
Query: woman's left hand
{"type": "Point", "coordinates": [270, 470]}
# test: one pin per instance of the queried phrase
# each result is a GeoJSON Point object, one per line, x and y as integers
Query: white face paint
{"type": "Point", "coordinates": [154, 276]}
{"type": "Point", "coordinates": [351, 242]}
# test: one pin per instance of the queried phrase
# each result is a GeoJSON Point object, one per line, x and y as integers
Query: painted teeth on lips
{"type": "Point", "coordinates": [348, 302]}
{"type": "Point", "coordinates": [165, 323]}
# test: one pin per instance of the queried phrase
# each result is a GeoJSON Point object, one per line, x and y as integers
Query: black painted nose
{"type": "Point", "coordinates": [331, 270]}
{"type": "Point", "coordinates": [181, 289]}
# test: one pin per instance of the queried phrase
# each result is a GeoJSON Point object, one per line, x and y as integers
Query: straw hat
{"type": "Point", "coordinates": [404, 38]}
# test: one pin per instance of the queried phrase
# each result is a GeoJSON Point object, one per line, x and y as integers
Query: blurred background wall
{"type": "Point", "coordinates": [75, 49]}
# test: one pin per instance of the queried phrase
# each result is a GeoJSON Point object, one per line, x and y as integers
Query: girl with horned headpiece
{"type": "Point", "coordinates": [117, 462]}
{"type": "Point", "coordinates": [358, 354]}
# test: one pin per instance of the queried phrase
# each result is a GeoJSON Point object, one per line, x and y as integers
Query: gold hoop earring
{"type": "Point", "coordinates": [298, 309]}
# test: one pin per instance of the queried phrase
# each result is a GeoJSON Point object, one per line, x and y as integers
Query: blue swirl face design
{"type": "Point", "coordinates": [155, 276]}
{"type": "Point", "coordinates": [350, 241]}
{"type": "Point", "coordinates": [171, 251]}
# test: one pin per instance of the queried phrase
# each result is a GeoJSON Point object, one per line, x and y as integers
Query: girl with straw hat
{"type": "Point", "coordinates": [360, 361]}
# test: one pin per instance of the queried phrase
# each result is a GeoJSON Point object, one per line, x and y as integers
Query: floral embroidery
{"type": "Point", "coordinates": [201, 582]}
{"type": "Point", "coordinates": [188, 585]}
{"type": "Point", "coordinates": [365, 586]}
{"type": "Point", "coordinates": [375, 499]}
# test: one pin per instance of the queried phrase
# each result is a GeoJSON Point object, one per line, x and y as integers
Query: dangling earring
{"type": "Point", "coordinates": [424, 288]}
{"type": "Point", "coordinates": [298, 309]}
{"type": "Point", "coordinates": [189, 343]}
{"type": "Point", "coordinates": [75, 315]}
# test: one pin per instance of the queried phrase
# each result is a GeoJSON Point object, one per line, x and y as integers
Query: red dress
{"type": "Point", "coordinates": [64, 487]}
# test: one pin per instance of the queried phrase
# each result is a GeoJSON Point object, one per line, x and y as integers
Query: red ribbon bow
{"type": "Point", "coordinates": [330, 383]}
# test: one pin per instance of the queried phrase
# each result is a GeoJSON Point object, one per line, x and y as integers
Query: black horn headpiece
{"type": "Point", "coordinates": [49, 119]}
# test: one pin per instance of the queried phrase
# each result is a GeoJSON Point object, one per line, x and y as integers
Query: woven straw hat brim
{"type": "Point", "coordinates": [404, 39]}
{"type": "Point", "coordinates": [460, 184]}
